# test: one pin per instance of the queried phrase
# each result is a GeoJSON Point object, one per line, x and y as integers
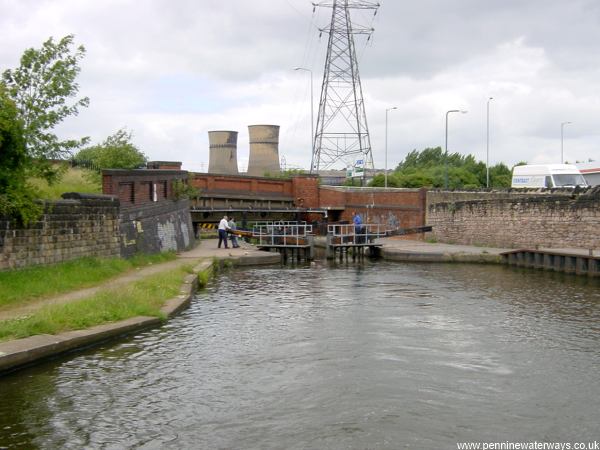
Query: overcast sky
{"type": "Point", "coordinates": [172, 70]}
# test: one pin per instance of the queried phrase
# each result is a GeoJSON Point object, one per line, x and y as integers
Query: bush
{"type": "Point", "coordinates": [17, 196]}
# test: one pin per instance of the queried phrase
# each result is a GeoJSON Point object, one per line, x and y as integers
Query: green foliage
{"type": "Point", "coordinates": [17, 196]}
{"type": "Point", "coordinates": [21, 203]}
{"type": "Point", "coordinates": [289, 173]}
{"type": "Point", "coordinates": [12, 142]}
{"type": "Point", "coordinates": [116, 152]}
{"type": "Point", "coordinates": [379, 181]}
{"type": "Point", "coordinates": [204, 277]}
{"type": "Point", "coordinates": [427, 168]}
{"type": "Point", "coordinates": [355, 182]}
{"type": "Point", "coordinates": [41, 88]}
{"type": "Point", "coordinates": [184, 189]}
{"type": "Point", "coordinates": [143, 298]}
{"type": "Point", "coordinates": [500, 176]}
{"type": "Point", "coordinates": [23, 285]}
{"type": "Point", "coordinates": [74, 180]}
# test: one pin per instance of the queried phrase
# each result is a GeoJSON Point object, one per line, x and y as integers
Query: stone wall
{"type": "Point", "coordinates": [435, 196]}
{"type": "Point", "coordinates": [78, 226]}
{"type": "Point", "coordinates": [560, 219]}
{"type": "Point", "coordinates": [156, 227]}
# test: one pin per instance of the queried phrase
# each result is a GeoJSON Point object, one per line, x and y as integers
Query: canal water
{"type": "Point", "coordinates": [373, 355]}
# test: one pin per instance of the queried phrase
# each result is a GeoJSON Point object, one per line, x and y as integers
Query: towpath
{"type": "Point", "coordinates": [206, 249]}
{"type": "Point", "coordinates": [395, 249]}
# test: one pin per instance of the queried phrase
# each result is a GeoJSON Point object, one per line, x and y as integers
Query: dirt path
{"type": "Point", "coordinates": [206, 249]}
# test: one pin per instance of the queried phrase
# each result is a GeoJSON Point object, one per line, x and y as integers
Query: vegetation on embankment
{"type": "Point", "coordinates": [31, 283]}
{"type": "Point", "coordinates": [73, 180]}
{"type": "Point", "coordinates": [432, 168]}
{"type": "Point", "coordinates": [142, 298]}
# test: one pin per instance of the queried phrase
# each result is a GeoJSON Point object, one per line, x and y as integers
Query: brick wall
{"type": "Point", "coordinates": [305, 190]}
{"type": "Point", "coordinates": [164, 165]}
{"type": "Point", "coordinates": [137, 187]}
{"type": "Point", "coordinates": [394, 208]}
{"type": "Point", "coordinates": [151, 219]}
{"type": "Point", "coordinates": [242, 183]}
{"type": "Point", "coordinates": [552, 219]}
{"type": "Point", "coordinates": [80, 225]}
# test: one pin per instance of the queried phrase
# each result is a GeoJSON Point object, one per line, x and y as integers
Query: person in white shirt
{"type": "Point", "coordinates": [223, 227]}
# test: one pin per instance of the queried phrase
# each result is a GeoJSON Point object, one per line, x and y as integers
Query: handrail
{"type": "Point", "coordinates": [351, 234]}
{"type": "Point", "coordinates": [278, 234]}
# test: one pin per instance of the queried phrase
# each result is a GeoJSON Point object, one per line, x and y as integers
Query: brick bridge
{"type": "Point", "coordinates": [258, 199]}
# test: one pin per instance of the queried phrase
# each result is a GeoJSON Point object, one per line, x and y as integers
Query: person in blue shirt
{"type": "Point", "coordinates": [358, 227]}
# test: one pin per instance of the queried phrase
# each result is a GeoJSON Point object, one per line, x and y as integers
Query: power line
{"type": "Point", "coordinates": [342, 133]}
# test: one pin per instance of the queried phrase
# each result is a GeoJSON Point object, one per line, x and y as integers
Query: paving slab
{"type": "Point", "coordinates": [398, 249]}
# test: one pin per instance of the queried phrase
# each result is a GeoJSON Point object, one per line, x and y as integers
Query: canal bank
{"type": "Point", "coordinates": [204, 258]}
{"type": "Point", "coordinates": [23, 352]}
{"type": "Point", "coordinates": [406, 250]}
{"type": "Point", "coordinates": [403, 250]}
{"type": "Point", "coordinates": [370, 355]}
{"type": "Point", "coordinates": [578, 261]}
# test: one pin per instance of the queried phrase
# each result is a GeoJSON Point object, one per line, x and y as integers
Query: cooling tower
{"type": "Point", "coordinates": [223, 152]}
{"type": "Point", "coordinates": [264, 150]}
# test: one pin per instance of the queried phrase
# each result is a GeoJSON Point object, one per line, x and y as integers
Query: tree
{"type": "Point", "coordinates": [116, 152]}
{"type": "Point", "coordinates": [500, 176]}
{"type": "Point", "coordinates": [41, 88]}
{"type": "Point", "coordinates": [12, 142]}
{"type": "Point", "coordinates": [428, 168]}
{"type": "Point", "coordinates": [17, 196]}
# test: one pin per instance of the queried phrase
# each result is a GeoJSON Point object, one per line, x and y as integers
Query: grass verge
{"type": "Point", "coordinates": [143, 298]}
{"type": "Point", "coordinates": [22, 285]}
{"type": "Point", "coordinates": [73, 180]}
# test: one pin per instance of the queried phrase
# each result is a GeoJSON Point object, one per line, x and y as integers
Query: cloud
{"type": "Point", "coordinates": [172, 72]}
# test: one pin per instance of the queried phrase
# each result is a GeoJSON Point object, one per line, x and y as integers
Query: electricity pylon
{"type": "Point", "coordinates": [342, 133]}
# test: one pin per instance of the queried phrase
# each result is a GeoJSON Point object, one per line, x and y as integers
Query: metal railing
{"type": "Point", "coordinates": [282, 234]}
{"type": "Point", "coordinates": [350, 234]}
{"type": "Point", "coordinates": [276, 222]}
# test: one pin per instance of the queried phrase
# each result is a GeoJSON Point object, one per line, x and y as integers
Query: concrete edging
{"type": "Point", "coordinates": [429, 257]}
{"type": "Point", "coordinates": [20, 353]}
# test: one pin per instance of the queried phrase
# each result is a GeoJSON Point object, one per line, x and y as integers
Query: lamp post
{"type": "Point", "coordinates": [386, 141]}
{"type": "Point", "coordinates": [562, 141]}
{"type": "Point", "coordinates": [446, 151]}
{"type": "Point", "coordinates": [487, 161]}
{"type": "Point", "coordinates": [312, 126]}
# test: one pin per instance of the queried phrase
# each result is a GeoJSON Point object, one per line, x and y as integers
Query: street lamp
{"type": "Point", "coordinates": [562, 141]}
{"type": "Point", "coordinates": [487, 161]}
{"type": "Point", "coordinates": [386, 140]}
{"type": "Point", "coordinates": [446, 151]}
{"type": "Point", "coordinates": [312, 126]}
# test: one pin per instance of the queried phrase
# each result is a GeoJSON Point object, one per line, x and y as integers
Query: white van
{"type": "Point", "coordinates": [547, 176]}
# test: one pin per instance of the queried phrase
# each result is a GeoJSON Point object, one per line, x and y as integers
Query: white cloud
{"type": "Point", "coordinates": [173, 71]}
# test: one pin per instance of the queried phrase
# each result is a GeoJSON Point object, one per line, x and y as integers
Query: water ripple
{"type": "Point", "coordinates": [372, 356]}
